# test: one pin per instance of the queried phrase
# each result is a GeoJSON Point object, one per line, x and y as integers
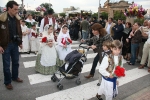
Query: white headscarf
{"type": "Point", "coordinates": [62, 35]}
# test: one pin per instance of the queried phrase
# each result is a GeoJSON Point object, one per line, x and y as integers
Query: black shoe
{"type": "Point", "coordinates": [98, 97]}
{"type": "Point", "coordinates": [130, 64]}
{"type": "Point", "coordinates": [28, 52]}
{"type": "Point", "coordinates": [98, 84]}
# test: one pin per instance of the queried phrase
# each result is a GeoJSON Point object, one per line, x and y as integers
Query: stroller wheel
{"type": "Point", "coordinates": [60, 87]}
{"type": "Point", "coordinates": [78, 82]}
{"type": "Point", "coordinates": [53, 78]}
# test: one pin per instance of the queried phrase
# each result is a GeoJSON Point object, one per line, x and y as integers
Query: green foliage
{"type": "Point", "coordinates": [47, 6]}
{"type": "Point", "coordinates": [119, 15]}
{"type": "Point", "coordinates": [34, 13]}
{"type": "Point", "coordinates": [105, 15]}
{"type": "Point", "coordinates": [140, 20]}
{"type": "Point", "coordinates": [95, 15]}
{"type": "Point", "coordinates": [62, 14]}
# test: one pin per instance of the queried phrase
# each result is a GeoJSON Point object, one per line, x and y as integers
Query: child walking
{"type": "Point", "coordinates": [34, 42]}
{"type": "Point", "coordinates": [64, 41]}
{"type": "Point", "coordinates": [107, 68]}
{"type": "Point", "coordinates": [106, 51]}
{"type": "Point", "coordinates": [46, 62]}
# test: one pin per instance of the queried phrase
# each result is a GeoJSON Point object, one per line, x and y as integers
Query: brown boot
{"type": "Point", "coordinates": [89, 76]}
{"type": "Point", "coordinates": [9, 86]}
{"type": "Point", "coordinates": [149, 69]}
{"type": "Point", "coordinates": [18, 80]}
{"type": "Point", "coordinates": [141, 67]}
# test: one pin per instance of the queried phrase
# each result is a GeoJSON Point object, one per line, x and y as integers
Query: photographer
{"type": "Point", "coordinates": [10, 39]}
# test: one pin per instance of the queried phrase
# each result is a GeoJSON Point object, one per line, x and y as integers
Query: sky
{"type": "Point", "coordinates": [58, 5]}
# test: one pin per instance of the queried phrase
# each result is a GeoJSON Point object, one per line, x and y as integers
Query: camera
{"type": "Point", "coordinates": [17, 39]}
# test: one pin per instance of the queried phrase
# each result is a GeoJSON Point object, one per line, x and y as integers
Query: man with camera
{"type": "Point", "coordinates": [10, 39]}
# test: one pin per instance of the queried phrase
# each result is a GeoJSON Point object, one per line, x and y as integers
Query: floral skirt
{"type": "Point", "coordinates": [48, 70]}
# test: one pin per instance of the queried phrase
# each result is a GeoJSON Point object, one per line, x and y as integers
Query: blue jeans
{"type": "Point", "coordinates": [11, 54]}
{"type": "Point", "coordinates": [133, 52]}
{"type": "Point", "coordinates": [84, 34]}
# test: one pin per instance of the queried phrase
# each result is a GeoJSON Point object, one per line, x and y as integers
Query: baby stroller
{"type": "Point", "coordinates": [72, 67]}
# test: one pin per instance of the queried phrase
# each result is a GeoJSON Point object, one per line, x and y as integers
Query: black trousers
{"type": "Point", "coordinates": [95, 61]}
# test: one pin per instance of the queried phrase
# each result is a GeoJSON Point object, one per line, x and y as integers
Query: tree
{"type": "Point", "coordinates": [46, 5]}
{"type": "Point", "coordinates": [95, 15]}
{"type": "Point", "coordinates": [119, 15]}
{"type": "Point", "coordinates": [139, 20]}
{"type": "Point", "coordinates": [62, 14]}
{"type": "Point", "coordinates": [105, 15]}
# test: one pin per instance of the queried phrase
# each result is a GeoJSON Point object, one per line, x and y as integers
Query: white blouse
{"type": "Point", "coordinates": [104, 64]}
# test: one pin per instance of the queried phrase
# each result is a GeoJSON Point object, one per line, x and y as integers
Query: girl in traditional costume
{"type": "Point", "coordinates": [34, 41]}
{"type": "Point", "coordinates": [47, 58]}
{"type": "Point", "coordinates": [64, 41]}
{"type": "Point", "coordinates": [25, 38]}
{"type": "Point", "coordinates": [107, 69]}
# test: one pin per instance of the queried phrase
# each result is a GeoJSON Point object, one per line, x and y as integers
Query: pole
{"type": "Point", "coordinates": [22, 7]}
{"type": "Point", "coordinates": [98, 10]}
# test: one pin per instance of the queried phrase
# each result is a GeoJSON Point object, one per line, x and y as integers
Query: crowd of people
{"type": "Point", "coordinates": [114, 41]}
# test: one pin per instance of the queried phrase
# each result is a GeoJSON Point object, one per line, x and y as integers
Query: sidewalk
{"type": "Point", "coordinates": [141, 95]}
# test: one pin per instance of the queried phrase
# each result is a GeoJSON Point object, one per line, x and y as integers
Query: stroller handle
{"type": "Point", "coordinates": [84, 47]}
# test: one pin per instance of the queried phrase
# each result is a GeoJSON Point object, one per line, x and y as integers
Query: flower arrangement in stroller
{"type": "Point", "coordinates": [72, 67]}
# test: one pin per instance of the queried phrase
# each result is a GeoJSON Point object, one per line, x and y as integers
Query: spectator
{"type": "Point", "coordinates": [146, 49]}
{"type": "Point", "coordinates": [118, 28]}
{"type": "Point", "coordinates": [10, 39]}
{"type": "Point", "coordinates": [136, 39]}
{"type": "Point", "coordinates": [109, 26]}
{"type": "Point", "coordinates": [101, 21]}
{"type": "Point", "coordinates": [84, 26]}
{"type": "Point", "coordinates": [126, 45]}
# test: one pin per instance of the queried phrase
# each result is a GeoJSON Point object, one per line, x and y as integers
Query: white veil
{"type": "Point", "coordinates": [61, 34]}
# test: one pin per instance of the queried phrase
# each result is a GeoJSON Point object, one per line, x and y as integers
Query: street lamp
{"type": "Point", "coordinates": [98, 10]}
{"type": "Point", "coordinates": [22, 6]}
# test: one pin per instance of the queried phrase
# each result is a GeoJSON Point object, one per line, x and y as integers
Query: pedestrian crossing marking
{"type": "Point", "coordinates": [28, 64]}
{"type": "Point", "coordinates": [39, 78]}
{"type": "Point", "coordinates": [89, 90]}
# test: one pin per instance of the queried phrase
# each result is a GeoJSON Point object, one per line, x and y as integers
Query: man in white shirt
{"type": "Point", "coordinates": [48, 20]}
{"type": "Point", "coordinates": [109, 26]}
{"type": "Point", "coordinates": [146, 48]}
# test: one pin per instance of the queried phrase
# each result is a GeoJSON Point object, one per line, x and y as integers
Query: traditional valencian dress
{"type": "Point", "coordinates": [34, 41]}
{"type": "Point", "coordinates": [108, 85]}
{"type": "Point", "coordinates": [47, 58]}
{"type": "Point", "coordinates": [25, 40]}
{"type": "Point", "coordinates": [29, 24]}
{"type": "Point", "coordinates": [63, 39]}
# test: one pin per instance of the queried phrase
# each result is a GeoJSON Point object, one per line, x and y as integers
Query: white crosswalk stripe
{"type": "Point", "coordinates": [84, 89]}
{"type": "Point", "coordinates": [89, 90]}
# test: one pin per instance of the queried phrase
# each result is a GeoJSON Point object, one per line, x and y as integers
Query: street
{"type": "Point", "coordinates": [40, 87]}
